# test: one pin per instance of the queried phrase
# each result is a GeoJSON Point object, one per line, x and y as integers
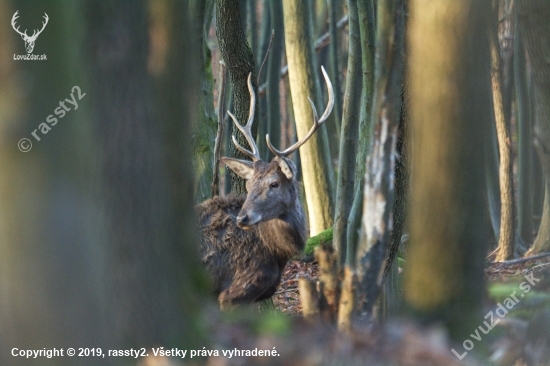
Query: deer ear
{"type": "Point", "coordinates": [243, 168]}
{"type": "Point", "coordinates": [287, 167]}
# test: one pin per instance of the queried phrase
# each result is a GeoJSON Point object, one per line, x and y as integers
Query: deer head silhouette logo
{"type": "Point", "coordinates": [29, 40]}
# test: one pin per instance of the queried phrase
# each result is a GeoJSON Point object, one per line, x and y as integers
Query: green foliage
{"type": "Point", "coordinates": [530, 302]}
{"type": "Point", "coordinates": [268, 322]}
{"type": "Point", "coordinates": [322, 238]}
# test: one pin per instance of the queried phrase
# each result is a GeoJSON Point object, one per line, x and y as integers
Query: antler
{"type": "Point", "coordinates": [35, 34]}
{"type": "Point", "coordinates": [13, 19]}
{"type": "Point", "coordinates": [316, 122]}
{"type": "Point", "coordinates": [246, 130]}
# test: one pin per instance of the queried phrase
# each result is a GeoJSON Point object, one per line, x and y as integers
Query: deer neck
{"type": "Point", "coordinates": [284, 236]}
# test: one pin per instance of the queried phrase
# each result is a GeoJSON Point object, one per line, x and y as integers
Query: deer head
{"type": "Point", "coordinates": [272, 189]}
{"type": "Point", "coordinates": [29, 40]}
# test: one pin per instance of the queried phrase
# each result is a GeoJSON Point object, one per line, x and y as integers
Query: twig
{"type": "Point", "coordinates": [321, 43]}
{"type": "Point", "coordinates": [521, 260]}
{"type": "Point", "coordinates": [266, 54]}
{"type": "Point", "coordinates": [219, 133]}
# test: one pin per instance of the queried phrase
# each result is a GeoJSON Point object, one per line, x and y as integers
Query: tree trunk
{"type": "Point", "coordinates": [533, 18]}
{"type": "Point", "coordinates": [365, 11]}
{"type": "Point", "coordinates": [506, 237]}
{"type": "Point", "coordinates": [145, 165]}
{"type": "Point", "coordinates": [449, 115]}
{"type": "Point", "coordinates": [348, 136]}
{"type": "Point", "coordinates": [525, 145]}
{"type": "Point", "coordinates": [205, 121]}
{"type": "Point", "coordinates": [273, 97]}
{"type": "Point", "coordinates": [379, 191]}
{"type": "Point", "coordinates": [334, 70]}
{"type": "Point", "coordinates": [316, 166]}
{"type": "Point", "coordinates": [239, 61]}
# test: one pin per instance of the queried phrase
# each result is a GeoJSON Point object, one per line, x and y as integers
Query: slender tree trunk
{"type": "Point", "coordinates": [525, 146]}
{"type": "Point", "coordinates": [239, 61]}
{"type": "Point", "coordinates": [365, 10]}
{"type": "Point", "coordinates": [316, 165]}
{"type": "Point", "coordinates": [379, 191]}
{"type": "Point", "coordinates": [273, 97]}
{"type": "Point", "coordinates": [506, 237]}
{"type": "Point", "coordinates": [491, 161]}
{"type": "Point", "coordinates": [449, 116]}
{"type": "Point", "coordinates": [348, 136]}
{"type": "Point", "coordinates": [265, 38]}
{"type": "Point", "coordinates": [334, 70]}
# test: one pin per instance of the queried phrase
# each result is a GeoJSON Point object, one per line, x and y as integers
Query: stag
{"type": "Point", "coordinates": [29, 41]}
{"type": "Point", "coordinates": [246, 241]}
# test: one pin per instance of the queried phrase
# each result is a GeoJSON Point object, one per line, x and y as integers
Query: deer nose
{"type": "Point", "coordinates": [242, 220]}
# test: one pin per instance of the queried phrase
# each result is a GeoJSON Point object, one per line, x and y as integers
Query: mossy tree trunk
{"type": "Point", "coordinates": [314, 155]}
{"type": "Point", "coordinates": [449, 115]}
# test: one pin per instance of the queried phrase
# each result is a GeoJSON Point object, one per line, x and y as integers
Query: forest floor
{"type": "Point", "coordinates": [523, 335]}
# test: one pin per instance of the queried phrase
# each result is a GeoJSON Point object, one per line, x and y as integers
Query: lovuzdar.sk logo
{"type": "Point", "coordinates": [29, 40]}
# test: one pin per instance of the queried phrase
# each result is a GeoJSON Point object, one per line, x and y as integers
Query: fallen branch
{"type": "Point", "coordinates": [522, 260]}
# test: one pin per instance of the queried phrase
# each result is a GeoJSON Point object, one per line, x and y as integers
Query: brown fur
{"type": "Point", "coordinates": [246, 265]}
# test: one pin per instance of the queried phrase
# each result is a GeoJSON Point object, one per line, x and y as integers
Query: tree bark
{"type": "Point", "coordinates": [449, 115]}
{"type": "Point", "coordinates": [533, 18]}
{"type": "Point", "coordinates": [238, 58]}
{"type": "Point", "coordinates": [273, 97]}
{"type": "Point", "coordinates": [525, 145]}
{"type": "Point", "coordinates": [379, 191]}
{"type": "Point", "coordinates": [349, 134]}
{"type": "Point", "coordinates": [205, 122]}
{"type": "Point", "coordinates": [316, 165]}
{"type": "Point", "coordinates": [506, 237]}
{"type": "Point", "coordinates": [334, 70]}
{"type": "Point", "coordinates": [365, 11]}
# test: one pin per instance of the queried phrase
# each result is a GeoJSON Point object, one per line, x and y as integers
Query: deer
{"type": "Point", "coordinates": [29, 40]}
{"type": "Point", "coordinates": [246, 241]}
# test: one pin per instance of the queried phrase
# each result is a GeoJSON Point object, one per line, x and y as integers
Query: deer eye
{"type": "Point", "coordinates": [274, 185]}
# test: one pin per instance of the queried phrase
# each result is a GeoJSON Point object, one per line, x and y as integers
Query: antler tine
{"type": "Point", "coordinates": [37, 32]}
{"type": "Point", "coordinates": [13, 19]}
{"type": "Point", "coordinates": [317, 122]}
{"type": "Point", "coordinates": [254, 154]}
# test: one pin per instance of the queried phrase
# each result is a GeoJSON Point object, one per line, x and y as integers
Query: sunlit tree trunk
{"type": "Point", "coordinates": [506, 237]}
{"type": "Point", "coordinates": [315, 154]}
{"type": "Point", "coordinates": [449, 115]}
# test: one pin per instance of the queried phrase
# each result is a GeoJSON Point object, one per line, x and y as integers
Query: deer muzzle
{"type": "Point", "coordinates": [246, 221]}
